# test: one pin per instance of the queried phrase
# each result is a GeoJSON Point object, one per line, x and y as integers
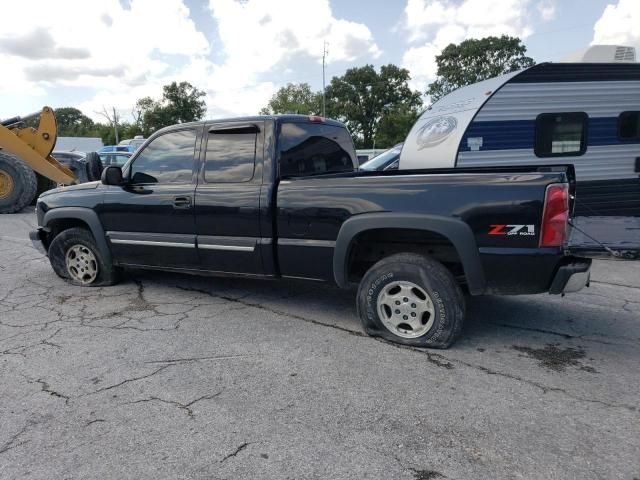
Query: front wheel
{"type": "Point", "coordinates": [75, 257]}
{"type": "Point", "coordinates": [413, 300]}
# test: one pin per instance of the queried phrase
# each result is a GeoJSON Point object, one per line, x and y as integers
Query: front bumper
{"type": "Point", "coordinates": [571, 277]}
{"type": "Point", "coordinates": [37, 240]}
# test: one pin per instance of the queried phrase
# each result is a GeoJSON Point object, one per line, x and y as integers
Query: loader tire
{"type": "Point", "coordinates": [44, 184]}
{"type": "Point", "coordinates": [18, 184]}
{"type": "Point", "coordinates": [94, 166]}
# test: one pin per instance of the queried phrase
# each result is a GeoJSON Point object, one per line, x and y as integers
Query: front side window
{"type": "Point", "coordinates": [561, 134]}
{"type": "Point", "coordinates": [629, 126]}
{"type": "Point", "coordinates": [167, 159]}
{"type": "Point", "coordinates": [314, 149]}
{"type": "Point", "coordinates": [231, 155]}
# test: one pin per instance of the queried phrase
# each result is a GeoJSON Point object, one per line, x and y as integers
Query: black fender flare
{"type": "Point", "coordinates": [89, 217]}
{"type": "Point", "coordinates": [457, 231]}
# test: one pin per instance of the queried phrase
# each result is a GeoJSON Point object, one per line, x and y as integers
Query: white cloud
{"type": "Point", "coordinates": [257, 36]}
{"type": "Point", "coordinates": [619, 25]}
{"type": "Point", "coordinates": [434, 24]}
{"type": "Point", "coordinates": [97, 45]}
{"type": "Point", "coordinates": [118, 54]}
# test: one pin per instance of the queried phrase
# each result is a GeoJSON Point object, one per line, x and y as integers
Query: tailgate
{"type": "Point", "coordinates": [615, 238]}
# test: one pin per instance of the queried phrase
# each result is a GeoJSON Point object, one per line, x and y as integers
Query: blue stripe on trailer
{"type": "Point", "coordinates": [520, 134]}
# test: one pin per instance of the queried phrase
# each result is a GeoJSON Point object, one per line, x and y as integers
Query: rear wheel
{"type": "Point", "coordinates": [94, 166]}
{"type": "Point", "coordinates": [44, 184]}
{"type": "Point", "coordinates": [75, 257]}
{"type": "Point", "coordinates": [413, 300]}
{"type": "Point", "coordinates": [18, 184]}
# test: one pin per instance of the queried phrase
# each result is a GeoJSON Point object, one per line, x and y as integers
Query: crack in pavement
{"type": "Point", "coordinates": [183, 406]}
{"type": "Point", "coordinates": [45, 388]}
{"type": "Point", "coordinates": [128, 380]}
{"type": "Point", "coordinates": [566, 336]}
{"type": "Point", "coordinates": [12, 442]}
{"type": "Point", "coordinates": [434, 358]}
{"type": "Point", "coordinates": [237, 451]}
{"type": "Point", "coordinates": [174, 361]}
{"type": "Point", "coordinates": [97, 420]}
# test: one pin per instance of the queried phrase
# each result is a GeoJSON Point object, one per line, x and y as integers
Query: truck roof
{"type": "Point", "coordinates": [281, 118]}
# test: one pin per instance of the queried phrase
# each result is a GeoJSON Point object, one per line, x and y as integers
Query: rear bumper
{"type": "Point", "coordinates": [572, 277]}
{"type": "Point", "coordinates": [37, 240]}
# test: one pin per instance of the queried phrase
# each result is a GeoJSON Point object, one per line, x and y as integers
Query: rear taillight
{"type": "Point", "coordinates": [555, 215]}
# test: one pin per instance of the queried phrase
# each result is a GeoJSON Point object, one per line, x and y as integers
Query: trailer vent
{"type": "Point", "coordinates": [603, 54]}
{"type": "Point", "coordinates": [625, 54]}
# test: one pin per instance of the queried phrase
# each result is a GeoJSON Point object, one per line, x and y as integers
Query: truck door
{"type": "Point", "coordinates": [150, 220]}
{"type": "Point", "coordinates": [227, 203]}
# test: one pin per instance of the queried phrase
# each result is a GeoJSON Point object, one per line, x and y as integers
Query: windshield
{"type": "Point", "coordinates": [382, 160]}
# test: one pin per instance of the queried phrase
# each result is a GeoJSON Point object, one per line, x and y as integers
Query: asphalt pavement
{"type": "Point", "coordinates": [172, 376]}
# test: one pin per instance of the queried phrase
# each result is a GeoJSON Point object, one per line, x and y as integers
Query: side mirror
{"type": "Point", "coordinates": [112, 175]}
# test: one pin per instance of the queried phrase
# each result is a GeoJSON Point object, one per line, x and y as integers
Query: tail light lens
{"type": "Point", "coordinates": [555, 215]}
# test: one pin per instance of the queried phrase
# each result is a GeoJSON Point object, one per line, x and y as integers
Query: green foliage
{"type": "Point", "coordinates": [180, 103]}
{"type": "Point", "coordinates": [294, 98]}
{"type": "Point", "coordinates": [474, 60]}
{"type": "Point", "coordinates": [394, 126]}
{"type": "Point", "coordinates": [72, 122]}
{"type": "Point", "coordinates": [362, 98]}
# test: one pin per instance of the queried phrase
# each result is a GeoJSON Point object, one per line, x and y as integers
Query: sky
{"type": "Point", "coordinates": [108, 53]}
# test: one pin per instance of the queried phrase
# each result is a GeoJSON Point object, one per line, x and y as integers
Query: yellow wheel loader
{"type": "Point", "coordinates": [26, 165]}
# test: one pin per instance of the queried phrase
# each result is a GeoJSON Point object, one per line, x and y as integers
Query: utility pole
{"type": "Point", "coordinates": [115, 124]}
{"type": "Point", "coordinates": [324, 87]}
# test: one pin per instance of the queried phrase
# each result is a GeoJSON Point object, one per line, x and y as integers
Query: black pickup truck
{"type": "Point", "coordinates": [281, 196]}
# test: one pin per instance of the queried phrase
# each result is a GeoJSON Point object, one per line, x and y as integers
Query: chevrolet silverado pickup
{"type": "Point", "coordinates": [282, 197]}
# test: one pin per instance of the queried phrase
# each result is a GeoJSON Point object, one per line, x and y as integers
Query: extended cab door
{"type": "Point", "coordinates": [227, 203]}
{"type": "Point", "coordinates": [150, 220]}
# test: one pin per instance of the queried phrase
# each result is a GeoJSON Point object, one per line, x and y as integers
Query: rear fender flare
{"type": "Point", "coordinates": [458, 233]}
{"type": "Point", "coordinates": [89, 217]}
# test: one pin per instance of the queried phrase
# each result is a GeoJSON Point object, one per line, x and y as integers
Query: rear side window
{"type": "Point", "coordinates": [231, 154]}
{"type": "Point", "coordinates": [313, 149]}
{"type": "Point", "coordinates": [561, 134]}
{"type": "Point", "coordinates": [167, 159]}
{"type": "Point", "coordinates": [629, 126]}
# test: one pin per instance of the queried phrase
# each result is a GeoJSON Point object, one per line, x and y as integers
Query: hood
{"type": "Point", "coordinates": [80, 186]}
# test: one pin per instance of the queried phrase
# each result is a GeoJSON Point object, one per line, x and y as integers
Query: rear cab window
{"type": "Point", "coordinates": [561, 134]}
{"type": "Point", "coordinates": [307, 149]}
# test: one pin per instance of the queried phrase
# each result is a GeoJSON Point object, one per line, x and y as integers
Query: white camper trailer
{"type": "Point", "coordinates": [585, 114]}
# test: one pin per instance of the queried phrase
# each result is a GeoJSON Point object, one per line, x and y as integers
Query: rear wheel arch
{"type": "Point", "coordinates": [458, 233]}
{"type": "Point", "coordinates": [62, 218]}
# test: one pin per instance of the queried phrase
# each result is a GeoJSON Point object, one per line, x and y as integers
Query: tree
{"type": "Point", "coordinates": [113, 118]}
{"type": "Point", "coordinates": [294, 98]}
{"type": "Point", "coordinates": [474, 60]}
{"type": "Point", "coordinates": [71, 122]}
{"type": "Point", "coordinates": [362, 98]}
{"type": "Point", "coordinates": [180, 103]}
{"type": "Point", "coordinates": [394, 126]}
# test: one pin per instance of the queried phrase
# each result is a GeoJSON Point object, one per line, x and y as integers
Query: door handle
{"type": "Point", "coordinates": [182, 202]}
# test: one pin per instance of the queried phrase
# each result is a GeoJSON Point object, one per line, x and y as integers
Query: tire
{"type": "Point", "coordinates": [75, 257]}
{"type": "Point", "coordinates": [18, 184]}
{"type": "Point", "coordinates": [43, 184]}
{"type": "Point", "coordinates": [94, 166]}
{"type": "Point", "coordinates": [428, 297]}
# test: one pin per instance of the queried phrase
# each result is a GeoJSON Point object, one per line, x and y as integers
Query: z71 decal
{"type": "Point", "coordinates": [524, 230]}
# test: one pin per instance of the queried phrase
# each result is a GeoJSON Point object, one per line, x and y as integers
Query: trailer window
{"type": "Point", "coordinates": [561, 134]}
{"type": "Point", "coordinates": [629, 126]}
